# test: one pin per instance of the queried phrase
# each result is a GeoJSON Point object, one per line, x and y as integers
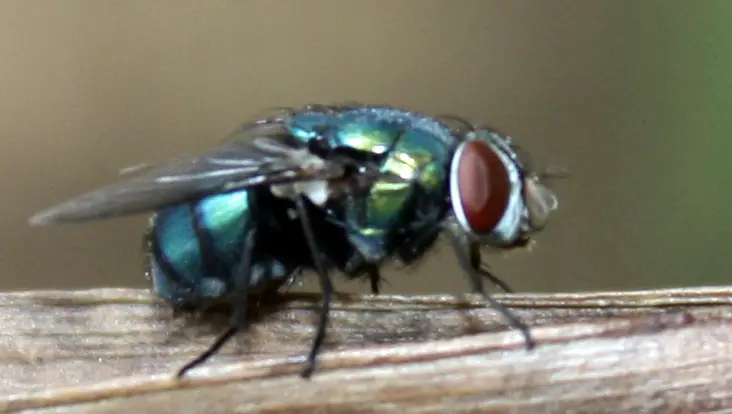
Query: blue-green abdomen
{"type": "Point", "coordinates": [200, 245]}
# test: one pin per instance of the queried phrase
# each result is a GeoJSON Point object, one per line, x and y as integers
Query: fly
{"type": "Point", "coordinates": [350, 186]}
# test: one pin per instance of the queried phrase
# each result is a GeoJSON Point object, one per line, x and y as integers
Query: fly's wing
{"type": "Point", "coordinates": [259, 155]}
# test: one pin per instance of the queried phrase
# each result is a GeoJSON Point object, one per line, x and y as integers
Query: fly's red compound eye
{"type": "Point", "coordinates": [480, 186]}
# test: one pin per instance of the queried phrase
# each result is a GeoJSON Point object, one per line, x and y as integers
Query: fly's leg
{"type": "Point", "coordinates": [238, 318]}
{"type": "Point", "coordinates": [374, 279]}
{"type": "Point", "coordinates": [477, 264]}
{"type": "Point", "coordinates": [292, 279]}
{"type": "Point", "coordinates": [325, 284]}
{"type": "Point", "coordinates": [416, 248]}
{"type": "Point", "coordinates": [356, 266]}
{"type": "Point", "coordinates": [476, 280]}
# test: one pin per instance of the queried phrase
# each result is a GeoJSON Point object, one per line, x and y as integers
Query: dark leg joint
{"type": "Point", "coordinates": [477, 264]}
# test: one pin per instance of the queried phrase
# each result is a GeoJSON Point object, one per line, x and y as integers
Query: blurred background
{"type": "Point", "coordinates": [634, 98]}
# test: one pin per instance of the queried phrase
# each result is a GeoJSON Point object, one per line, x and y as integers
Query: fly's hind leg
{"type": "Point", "coordinates": [238, 318]}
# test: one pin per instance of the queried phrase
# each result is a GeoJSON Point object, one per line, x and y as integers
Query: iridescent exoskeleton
{"type": "Point", "coordinates": [347, 186]}
{"type": "Point", "coordinates": [467, 179]}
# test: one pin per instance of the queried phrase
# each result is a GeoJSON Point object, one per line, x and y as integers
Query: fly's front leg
{"type": "Point", "coordinates": [476, 281]}
{"type": "Point", "coordinates": [471, 250]}
{"type": "Point", "coordinates": [476, 263]}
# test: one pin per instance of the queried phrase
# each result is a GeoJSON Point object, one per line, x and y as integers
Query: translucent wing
{"type": "Point", "coordinates": [252, 155]}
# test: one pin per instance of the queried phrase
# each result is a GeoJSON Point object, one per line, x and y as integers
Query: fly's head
{"type": "Point", "coordinates": [496, 199]}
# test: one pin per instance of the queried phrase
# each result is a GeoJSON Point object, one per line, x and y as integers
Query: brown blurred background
{"type": "Point", "coordinates": [633, 97]}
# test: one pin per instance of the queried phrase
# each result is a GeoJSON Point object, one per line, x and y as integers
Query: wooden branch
{"type": "Point", "coordinates": [115, 351]}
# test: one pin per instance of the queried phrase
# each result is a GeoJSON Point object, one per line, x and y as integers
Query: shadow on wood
{"type": "Point", "coordinates": [115, 351]}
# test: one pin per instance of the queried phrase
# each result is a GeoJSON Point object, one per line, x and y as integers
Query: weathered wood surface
{"type": "Point", "coordinates": [115, 350]}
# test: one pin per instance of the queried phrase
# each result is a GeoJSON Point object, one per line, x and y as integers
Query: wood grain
{"type": "Point", "coordinates": [115, 350]}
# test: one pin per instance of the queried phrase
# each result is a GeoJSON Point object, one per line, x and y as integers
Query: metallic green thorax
{"type": "Point", "coordinates": [418, 150]}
